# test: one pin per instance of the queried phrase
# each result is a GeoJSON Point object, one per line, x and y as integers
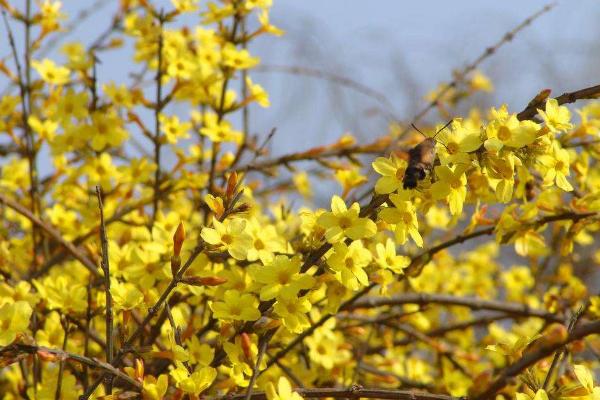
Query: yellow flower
{"type": "Point", "coordinates": [457, 142]}
{"type": "Point", "coordinates": [79, 59]}
{"type": "Point", "coordinates": [302, 184]}
{"type": "Point", "coordinates": [282, 273]}
{"type": "Point", "coordinates": [231, 235]}
{"type": "Point", "coordinates": [100, 170]}
{"type": "Point", "coordinates": [403, 215]}
{"type": "Point", "coordinates": [283, 392]}
{"type": "Point", "coordinates": [50, 72]}
{"type": "Point", "coordinates": [510, 132]}
{"type": "Point", "coordinates": [217, 13]}
{"type": "Point", "coordinates": [292, 310]}
{"type": "Point", "coordinates": [517, 280]}
{"type": "Point", "coordinates": [344, 222]}
{"type": "Point", "coordinates": [174, 129]}
{"type": "Point", "coordinates": [45, 129]}
{"type": "Point", "coordinates": [327, 347]}
{"type": "Point", "coordinates": [257, 93]}
{"type": "Point", "coordinates": [119, 95]}
{"type": "Point", "coordinates": [219, 131]}
{"type": "Point", "coordinates": [155, 389]}
{"type": "Point", "coordinates": [451, 184]}
{"type": "Point", "coordinates": [14, 319]}
{"type": "Point", "coordinates": [392, 170]}
{"type": "Point", "coordinates": [185, 5]}
{"type": "Point", "coordinates": [481, 82]}
{"type": "Point", "coordinates": [556, 117]}
{"type": "Point", "coordinates": [502, 167]}
{"type": "Point", "coordinates": [556, 167]}
{"type": "Point", "coordinates": [106, 130]}
{"type": "Point", "coordinates": [586, 379]}
{"type": "Point", "coordinates": [193, 383]}
{"type": "Point", "coordinates": [126, 295]}
{"type": "Point", "coordinates": [349, 179]}
{"type": "Point", "coordinates": [70, 105]}
{"type": "Point", "coordinates": [237, 59]}
{"type": "Point", "coordinates": [349, 262]}
{"type": "Point", "coordinates": [50, 15]}
{"type": "Point", "coordinates": [265, 242]}
{"type": "Point", "coordinates": [63, 293]}
{"type": "Point", "coordinates": [236, 306]}
{"type": "Point", "coordinates": [386, 257]}
{"type": "Point", "coordinates": [539, 395]}
{"type": "Point", "coordinates": [266, 26]}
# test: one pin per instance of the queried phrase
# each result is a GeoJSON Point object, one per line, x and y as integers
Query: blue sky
{"type": "Point", "coordinates": [399, 48]}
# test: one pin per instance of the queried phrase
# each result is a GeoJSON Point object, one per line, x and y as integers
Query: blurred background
{"type": "Point", "coordinates": [396, 51]}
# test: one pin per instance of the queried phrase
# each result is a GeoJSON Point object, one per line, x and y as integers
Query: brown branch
{"type": "Point", "coordinates": [157, 110]}
{"type": "Point", "coordinates": [592, 92]}
{"type": "Point", "coordinates": [246, 109]}
{"type": "Point", "coordinates": [488, 52]}
{"type": "Point", "coordinates": [473, 303]}
{"type": "Point", "coordinates": [25, 96]}
{"type": "Point", "coordinates": [61, 256]}
{"type": "Point", "coordinates": [263, 343]}
{"type": "Point", "coordinates": [61, 367]}
{"type": "Point", "coordinates": [355, 392]}
{"type": "Point", "coordinates": [152, 311]}
{"type": "Point", "coordinates": [16, 349]}
{"type": "Point", "coordinates": [419, 261]}
{"type": "Point", "coordinates": [221, 110]}
{"type": "Point", "coordinates": [317, 153]}
{"type": "Point", "coordinates": [531, 358]}
{"type": "Point", "coordinates": [557, 356]}
{"type": "Point", "coordinates": [53, 233]}
{"type": "Point", "coordinates": [105, 264]}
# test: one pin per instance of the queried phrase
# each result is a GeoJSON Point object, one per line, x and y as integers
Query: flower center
{"type": "Point", "coordinates": [504, 133]}
{"type": "Point", "coordinates": [349, 263]}
{"type": "Point", "coordinates": [227, 238]}
{"type": "Point", "coordinates": [345, 222]}
{"type": "Point", "coordinates": [452, 147]}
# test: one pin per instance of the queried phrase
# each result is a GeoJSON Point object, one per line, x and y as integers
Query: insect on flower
{"type": "Point", "coordinates": [420, 159]}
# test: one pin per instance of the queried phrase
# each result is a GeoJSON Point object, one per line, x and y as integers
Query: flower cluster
{"type": "Point", "coordinates": [176, 273]}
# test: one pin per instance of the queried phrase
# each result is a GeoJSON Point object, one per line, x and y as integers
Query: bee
{"type": "Point", "coordinates": [420, 159]}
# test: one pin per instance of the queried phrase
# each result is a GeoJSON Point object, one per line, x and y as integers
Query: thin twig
{"type": "Point", "coordinates": [221, 109]}
{"type": "Point", "coordinates": [488, 52]}
{"type": "Point", "coordinates": [557, 356]}
{"type": "Point", "coordinates": [355, 392]}
{"type": "Point", "coordinates": [20, 348]}
{"type": "Point", "coordinates": [24, 89]}
{"type": "Point", "coordinates": [592, 92]}
{"type": "Point", "coordinates": [262, 349]}
{"type": "Point", "coordinates": [61, 367]}
{"type": "Point", "coordinates": [53, 233]}
{"type": "Point", "coordinates": [105, 264]}
{"type": "Point", "coordinates": [473, 303]}
{"type": "Point", "coordinates": [531, 358]}
{"type": "Point", "coordinates": [157, 112]}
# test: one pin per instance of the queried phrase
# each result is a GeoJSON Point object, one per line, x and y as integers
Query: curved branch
{"type": "Point", "coordinates": [53, 233]}
{"type": "Point", "coordinates": [592, 92]}
{"type": "Point", "coordinates": [530, 359]}
{"type": "Point", "coordinates": [11, 352]}
{"type": "Point", "coordinates": [355, 392]}
{"type": "Point", "coordinates": [474, 303]}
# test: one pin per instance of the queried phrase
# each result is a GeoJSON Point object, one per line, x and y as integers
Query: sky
{"type": "Point", "coordinates": [399, 49]}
